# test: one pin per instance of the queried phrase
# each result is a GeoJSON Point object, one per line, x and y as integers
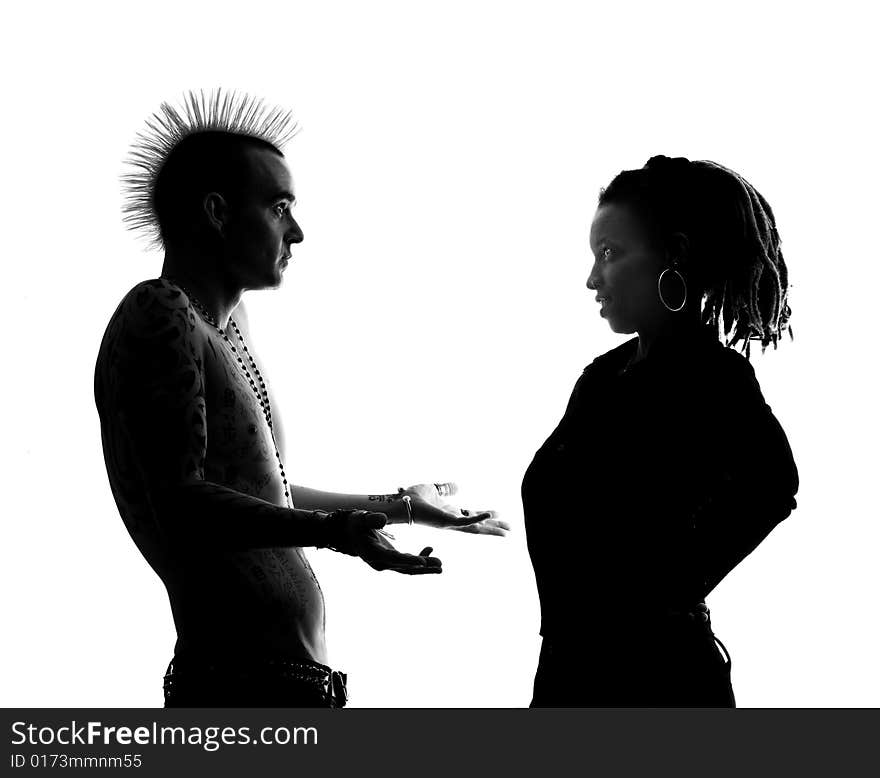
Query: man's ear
{"type": "Point", "coordinates": [216, 211]}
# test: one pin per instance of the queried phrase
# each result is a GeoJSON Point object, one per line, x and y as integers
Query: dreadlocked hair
{"type": "Point", "coordinates": [733, 244]}
{"type": "Point", "coordinates": [189, 150]}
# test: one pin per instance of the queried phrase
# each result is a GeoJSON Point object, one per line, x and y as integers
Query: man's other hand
{"type": "Point", "coordinates": [358, 533]}
{"type": "Point", "coordinates": [430, 510]}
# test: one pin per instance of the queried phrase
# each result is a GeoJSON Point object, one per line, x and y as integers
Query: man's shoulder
{"type": "Point", "coordinates": [150, 307]}
{"type": "Point", "coordinates": [155, 313]}
{"type": "Point", "coordinates": [151, 341]}
{"type": "Point", "coordinates": [155, 295]}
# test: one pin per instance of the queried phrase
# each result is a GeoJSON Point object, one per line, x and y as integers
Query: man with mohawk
{"type": "Point", "coordinates": [191, 436]}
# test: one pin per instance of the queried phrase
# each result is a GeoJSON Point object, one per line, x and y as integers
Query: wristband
{"type": "Point", "coordinates": [333, 525]}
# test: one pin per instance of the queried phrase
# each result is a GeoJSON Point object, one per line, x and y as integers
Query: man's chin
{"type": "Point", "coordinates": [272, 282]}
{"type": "Point", "coordinates": [278, 273]}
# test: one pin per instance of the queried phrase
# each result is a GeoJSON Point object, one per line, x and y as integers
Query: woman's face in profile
{"type": "Point", "coordinates": [625, 269]}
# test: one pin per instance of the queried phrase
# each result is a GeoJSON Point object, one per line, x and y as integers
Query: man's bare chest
{"type": "Point", "coordinates": [241, 450]}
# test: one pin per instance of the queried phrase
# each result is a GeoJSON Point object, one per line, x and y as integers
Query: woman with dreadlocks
{"type": "Point", "coordinates": [668, 467]}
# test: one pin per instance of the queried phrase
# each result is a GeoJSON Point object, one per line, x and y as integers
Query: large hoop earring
{"type": "Point", "coordinates": [660, 293]}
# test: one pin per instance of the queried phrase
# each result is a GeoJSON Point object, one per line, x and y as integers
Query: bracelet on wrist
{"type": "Point", "coordinates": [407, 502]}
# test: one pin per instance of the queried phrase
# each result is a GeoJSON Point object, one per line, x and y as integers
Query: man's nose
{"type": "Point", "coordinates": [592, 279]}
{"type": "Point", "coordinates": [295, 233]}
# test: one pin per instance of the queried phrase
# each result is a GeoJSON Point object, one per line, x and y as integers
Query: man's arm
{"type": "Point", "coordinates": [152, 392]}
{"type": "Point", "coordinates": [156, 378]}
{"type": "Point", "coordinates": [426, 508]}
{"type": "Point", "coordinates": [391, 505]}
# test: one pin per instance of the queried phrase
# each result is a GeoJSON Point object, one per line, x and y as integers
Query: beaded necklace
{"type": "Point", "coordinates": [260, 392]}
{"type": "Point", "coordinates": [262, 396]}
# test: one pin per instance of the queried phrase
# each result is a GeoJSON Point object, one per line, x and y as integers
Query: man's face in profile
{"type": "Point", "coordinates": [261, 227]}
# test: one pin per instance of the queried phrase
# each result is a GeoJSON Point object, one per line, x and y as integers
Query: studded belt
{"type": "Point", "coordinates": [330, 684]}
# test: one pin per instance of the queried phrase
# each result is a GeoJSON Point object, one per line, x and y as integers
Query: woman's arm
{"type": "Point", "coordinates": [757, 478]}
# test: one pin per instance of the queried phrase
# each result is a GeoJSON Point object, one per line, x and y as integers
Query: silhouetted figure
{"type": "Point", "coordinates": [668, 467]}
{"type": "Point", "coordinates": [192, 436]}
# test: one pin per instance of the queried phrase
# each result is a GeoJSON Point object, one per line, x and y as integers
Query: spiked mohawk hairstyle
{"type": "Point", "coordinates": [213, 125]}
{"type": "Point", "coordinates": [733, 241]}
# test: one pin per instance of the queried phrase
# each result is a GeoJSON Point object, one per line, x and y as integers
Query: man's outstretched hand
{"type": "Point", "coordinates": [357, 533]}
{"type": "Point", "coordinates": [430, 510]}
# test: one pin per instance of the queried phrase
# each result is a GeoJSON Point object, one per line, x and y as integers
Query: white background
{"type": "Point", "coordinates": [434, 320]}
